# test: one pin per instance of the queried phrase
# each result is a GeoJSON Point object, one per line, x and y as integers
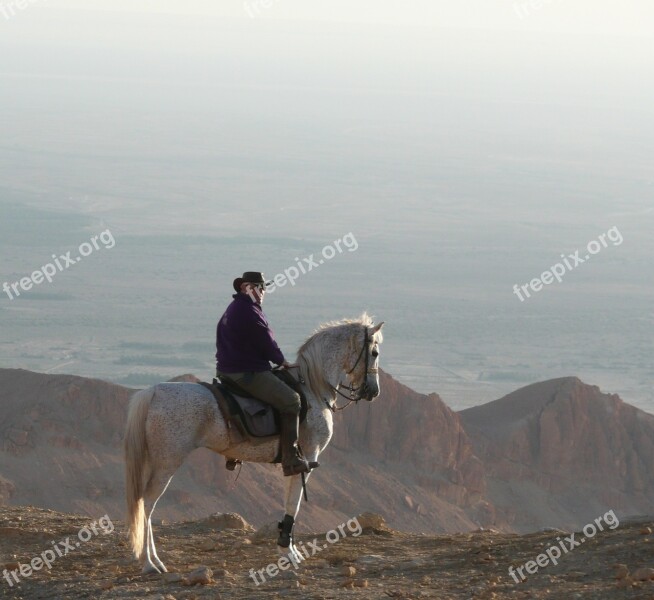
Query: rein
{"type": "Point", "coordinates": [363, 388]}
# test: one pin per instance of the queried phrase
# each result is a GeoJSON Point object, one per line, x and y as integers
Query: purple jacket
{"type": "Point", "coordinates": [244, 340]}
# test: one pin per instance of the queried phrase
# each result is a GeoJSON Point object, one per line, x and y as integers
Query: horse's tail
{"type": "Point", "coordinates": [136, 466]}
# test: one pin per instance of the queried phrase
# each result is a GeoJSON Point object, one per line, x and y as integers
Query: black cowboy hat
{"type": "Point", "coordinates": [250, 277]}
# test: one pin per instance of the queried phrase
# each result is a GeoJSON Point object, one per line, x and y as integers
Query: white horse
{"type": "Point", "coordinates": [166, 422]}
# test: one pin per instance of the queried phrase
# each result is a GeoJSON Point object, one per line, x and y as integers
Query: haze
{"type": "Point", "coordinates": [465, 147]}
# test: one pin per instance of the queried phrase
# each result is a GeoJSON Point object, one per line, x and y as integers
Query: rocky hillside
{"type": "Point", "coordinates": [554, 454]}
{"type": "Point", "coordinates": [61, 448]}
{"type": "Point", "coordinates": [228, 560]}
{"type": "Point", "coordinates": [561, 452]}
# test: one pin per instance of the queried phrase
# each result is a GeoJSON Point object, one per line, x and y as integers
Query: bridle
{"type": "Point", "coordinates": [363, 388]}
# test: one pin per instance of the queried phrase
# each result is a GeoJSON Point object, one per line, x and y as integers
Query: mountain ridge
{"type": "Point", "coordinates": [512, 464]}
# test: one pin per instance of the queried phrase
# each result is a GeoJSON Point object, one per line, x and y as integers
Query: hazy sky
{"type": "Point", "coordinates": [465, 144]}
{"type": "Point", "coordinates": [628, 17]}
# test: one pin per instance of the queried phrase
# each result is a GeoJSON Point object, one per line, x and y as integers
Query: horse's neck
{"type": "Point", "coordinates": [322, 394]}
{"type": "Point", "coordinates": [311, 399]}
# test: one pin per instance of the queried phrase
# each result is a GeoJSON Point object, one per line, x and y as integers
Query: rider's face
{"type": "Point", "coordinates": [256, 291]}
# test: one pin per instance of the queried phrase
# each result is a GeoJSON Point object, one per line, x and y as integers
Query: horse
{"type": "Point", "coordinates": [167, 421]}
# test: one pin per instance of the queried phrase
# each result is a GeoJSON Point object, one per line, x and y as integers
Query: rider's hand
{"type": "Point", "coordinates": [288, 365]}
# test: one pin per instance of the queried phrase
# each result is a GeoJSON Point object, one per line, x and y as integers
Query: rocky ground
{"type": "Point", "coordinates": [218, 553]}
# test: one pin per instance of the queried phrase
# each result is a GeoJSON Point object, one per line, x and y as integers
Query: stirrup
{"type": "Point", "coordinates": [296, 465]}
{"type": "Point", "coordinates": [290, 470]}
{"type": "Point", "coordinates": [230, 463]}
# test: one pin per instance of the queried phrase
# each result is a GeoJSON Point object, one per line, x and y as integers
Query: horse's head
{"type": "Point", "coordinates": [349, 347]}
{"type": "Point", "coordinates": [363, 375]}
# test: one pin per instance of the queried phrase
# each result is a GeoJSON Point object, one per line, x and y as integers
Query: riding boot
{"type": "Point", "coordinates": [293, 462]}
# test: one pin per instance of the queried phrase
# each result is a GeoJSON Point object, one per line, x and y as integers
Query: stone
{"type": "Point", "coordinates": [207, 545]}
{"type": "Point", "coordinates": [370, 520]}
{"type": "Point", "coordinates": [202, 576]}
{"type": "Point", "coordinates": [621, 571]}
{"type": "Point", "coordinates": [220, 521]}
{"type": "Point", "coordinates": [643, 574]}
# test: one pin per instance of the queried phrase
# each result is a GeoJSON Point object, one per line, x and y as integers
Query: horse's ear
{"type": "Point", "coordinates": [377, 328]}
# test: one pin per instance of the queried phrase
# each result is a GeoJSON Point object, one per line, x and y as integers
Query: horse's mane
{"type": "Point", "coordinates": [310, 353]}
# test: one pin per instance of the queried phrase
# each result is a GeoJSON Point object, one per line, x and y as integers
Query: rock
{"type": "Point", "coordinates": [207, 545]}
{"type": "Point", "coordinates": [202, 576]}
{"type": "Point", "coordinates": [349, 571]}
{"type": "Point", "coordinates": [221, 573]}
{"type": "Point", "coordinates": [220, 521]}
{"type": "Point", "coordinates": [172, 577]}
{"type": "Point", "coordinates": [645, 531]}
{"type": "Point", "coordinates": [370, 520]}
{"type": "Point", "coordinates": [621, 571]}
{"type": "Point", "coordinates": [643, 574]}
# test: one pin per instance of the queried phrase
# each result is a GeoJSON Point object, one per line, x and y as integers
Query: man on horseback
{"type": "Point", "coordinates": [245, 347]}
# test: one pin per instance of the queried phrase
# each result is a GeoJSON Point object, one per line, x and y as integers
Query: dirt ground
{"type": "Point", "coordinates": [377, 563]}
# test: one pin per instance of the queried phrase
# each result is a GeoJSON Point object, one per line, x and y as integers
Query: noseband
{"type": "Point", "coordinates": [363, 388]}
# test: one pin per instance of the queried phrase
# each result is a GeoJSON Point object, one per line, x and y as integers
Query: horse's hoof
{"type": "Point", "coordinates": [291, 552]}
{"type": "Point", "coordinates": [150, 569]}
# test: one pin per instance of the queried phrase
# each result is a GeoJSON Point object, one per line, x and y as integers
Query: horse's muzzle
{"type": "Point", "coordinates": [370, 390]}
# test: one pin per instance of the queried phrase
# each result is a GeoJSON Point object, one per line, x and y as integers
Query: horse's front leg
{"type": "Point", "coordinates": [285, 545]}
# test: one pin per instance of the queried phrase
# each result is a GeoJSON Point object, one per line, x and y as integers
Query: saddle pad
{"type": "Point", "coordinates": [252, 417]}
{"type": "Point", "coordinates": [260, 419]}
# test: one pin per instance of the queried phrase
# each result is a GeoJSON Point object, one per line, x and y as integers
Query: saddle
{"type": "Point", "coordinates": [255, 420]}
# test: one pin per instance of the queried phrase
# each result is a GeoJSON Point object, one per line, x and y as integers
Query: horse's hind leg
{"type": "Point", "coordinates": [155, 489]}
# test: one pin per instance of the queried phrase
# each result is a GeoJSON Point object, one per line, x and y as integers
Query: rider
{"type": "Point", "coordinates": [245, 348]}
